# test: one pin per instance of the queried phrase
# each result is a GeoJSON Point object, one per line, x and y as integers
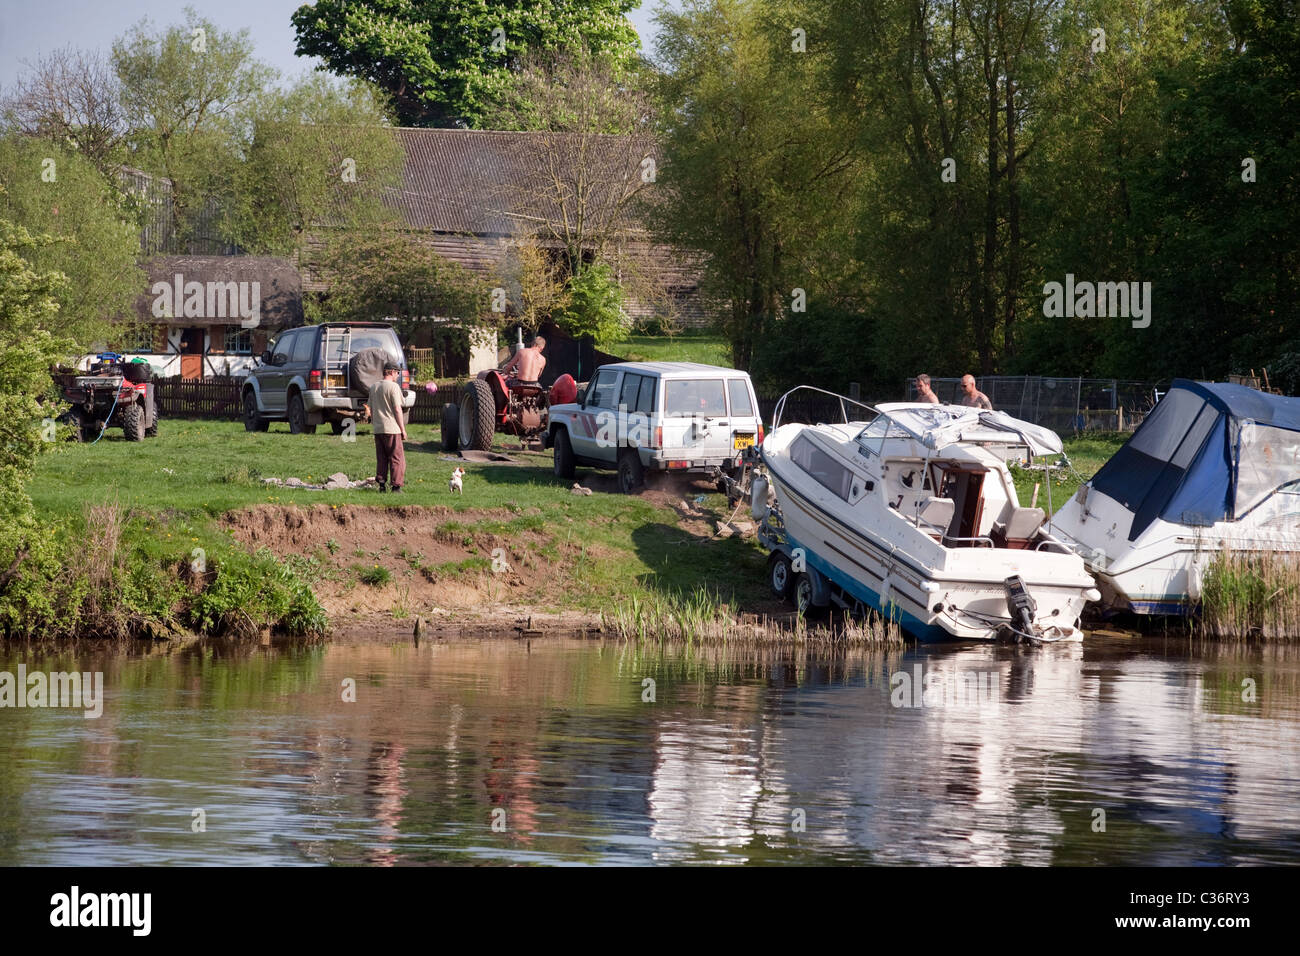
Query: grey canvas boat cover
{"type": "Point", "coordinates": [1208, 452]}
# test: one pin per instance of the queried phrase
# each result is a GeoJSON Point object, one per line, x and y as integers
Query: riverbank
{"type": "Point", "coordinates": [191, 507]}
{"type": "Point", "coordinates": [182, 533]}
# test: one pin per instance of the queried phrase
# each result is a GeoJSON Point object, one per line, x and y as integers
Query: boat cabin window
{"type": "Point", "coordinates": [823, 466]}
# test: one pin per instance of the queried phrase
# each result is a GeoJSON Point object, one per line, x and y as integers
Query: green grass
{"type": "Point", "coordinates": [178, 484]}
{"type": "Point", "coordinates": [1087, 454]}
{"type": "Point", "coordinates": [687, 347]}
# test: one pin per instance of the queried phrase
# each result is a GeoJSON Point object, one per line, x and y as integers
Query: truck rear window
{"type": "Point", "coordinates": [343, 347]}
{"type": "Point", "coordinates": [694, 396]}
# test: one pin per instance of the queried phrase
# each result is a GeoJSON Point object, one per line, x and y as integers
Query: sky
{"type": "Point", "coordinates": [31, 28]}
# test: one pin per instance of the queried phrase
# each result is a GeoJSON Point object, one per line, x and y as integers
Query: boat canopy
{"type": "Point", "coordinates": [936, 426]}
{"type": "Point", "coordinates": [1208, 451]}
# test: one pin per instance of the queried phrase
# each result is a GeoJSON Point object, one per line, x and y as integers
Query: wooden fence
{"type": "Point", "coordinates": [218, 398]}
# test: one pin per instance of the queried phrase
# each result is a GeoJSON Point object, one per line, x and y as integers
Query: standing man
{"type": "Point", "coordinates": [973, 397]}
{"type": "Point", "coordinates": [390, 428]}
{"type": "Point", "coordinates": [924, 392]}
{"type": "Point", "coordinates": [527, 364]}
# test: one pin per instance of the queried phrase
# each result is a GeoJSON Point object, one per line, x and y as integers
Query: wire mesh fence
{"type": "Point", "coordinates": [1061, 404]}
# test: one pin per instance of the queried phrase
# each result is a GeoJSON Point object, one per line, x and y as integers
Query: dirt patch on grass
{"type": "Point", "coordinates": [387, 563]}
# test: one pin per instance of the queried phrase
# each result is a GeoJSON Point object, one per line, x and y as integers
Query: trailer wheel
{"type": "Point", "coordinates": [780, 574]}
{"type": "Point", "coordinates": [133, 421]}
{"type": "Point", "coordinates": [478, 417]}
{"type": "Point", "coordinates": [802, 594]}
{"type": "Point", "coordinates": [451, 427]}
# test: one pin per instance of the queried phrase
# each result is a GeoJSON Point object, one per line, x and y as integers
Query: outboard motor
{"type": "Point", "coordinates": [1021, 605]}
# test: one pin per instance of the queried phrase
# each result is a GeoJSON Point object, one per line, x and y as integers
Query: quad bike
{"type": "Point", "coordinates": [114, 394]}
{"type": "Point", "coordinates": [493, 403]}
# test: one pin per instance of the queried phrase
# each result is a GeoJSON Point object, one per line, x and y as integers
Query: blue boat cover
{"type": "Point", "coordinates": [1208, 451]}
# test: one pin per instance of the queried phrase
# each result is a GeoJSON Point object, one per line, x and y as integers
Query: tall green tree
{"type": "Point", "coordinates": [1086, 203]}
{"type": "Point", "coordinates": [188, 93]}
{"type": "Point", "coordinates": [756, 163]}
{"type": "Point", "coordinates": [94, 229]}
{"type": "Point", "coordinates": [1218, 208]}
{"type": "Point", "coordinates": [29, 312]}
{"type": "Point", "coordinates": [321, 155]}
{"type": "Point", "coordinates": [444, 62]}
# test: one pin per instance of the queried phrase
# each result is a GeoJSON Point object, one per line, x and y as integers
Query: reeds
{"type": "Point", "coordinates": [704, 617]}
{"type": "Point", "coordinates": [1251, 594]}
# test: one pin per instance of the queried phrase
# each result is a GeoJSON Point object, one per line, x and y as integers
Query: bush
{"type": "Point", "coordinates": [252, 593]}
{"type": "Point", "coordinates": [595, 306]}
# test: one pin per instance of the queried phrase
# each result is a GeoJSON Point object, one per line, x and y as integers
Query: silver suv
{"type": "Point", "coordinates": [657, 416]}
{"type": "Point", "coordinates": [307, 378]}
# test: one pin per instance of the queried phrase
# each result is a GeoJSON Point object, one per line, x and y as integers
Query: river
{"type": "Point", "coordinates": [564, 751]}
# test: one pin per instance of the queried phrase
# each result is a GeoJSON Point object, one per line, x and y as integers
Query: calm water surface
{"type": "Point", "coordinates": [500, 751]}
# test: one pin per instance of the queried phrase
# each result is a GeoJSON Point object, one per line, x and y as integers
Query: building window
{"type": "Point", "coordinates": [138, 338]}
{"type": "Point", "coordinates": [238, 340]}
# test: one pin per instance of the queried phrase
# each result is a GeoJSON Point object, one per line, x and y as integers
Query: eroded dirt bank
{"type": "Point", "coordinates": [384, 566]}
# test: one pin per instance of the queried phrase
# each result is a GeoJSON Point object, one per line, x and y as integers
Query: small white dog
{"type": "Point", "coordinates": [455, 483]}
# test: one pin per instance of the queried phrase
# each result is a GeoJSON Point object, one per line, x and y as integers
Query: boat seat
{"type": "Point", "coordinates": [936, 514]}
{"type": "Point", "coordinates": [1020, 527]}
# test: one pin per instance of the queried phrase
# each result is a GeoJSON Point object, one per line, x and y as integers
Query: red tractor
{"type": "Point", "coordinates": [494, 403]}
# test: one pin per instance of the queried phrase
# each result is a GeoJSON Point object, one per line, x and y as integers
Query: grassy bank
{"type": "Point", "coordinates": [1086, 455]}
{"type": "Point", "coordinates": [597, 550]}
{"type": "Point", "coordinates": [195, 498]}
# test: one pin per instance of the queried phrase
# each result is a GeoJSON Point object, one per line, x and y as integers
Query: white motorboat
{"type": "Point", "coordinates": [912, 511]}
{"type": "Point", "coordinates": [1213, 467]}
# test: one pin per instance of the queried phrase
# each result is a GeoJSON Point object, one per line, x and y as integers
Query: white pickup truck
{"type": "Point", "coordinates": [656, 416]}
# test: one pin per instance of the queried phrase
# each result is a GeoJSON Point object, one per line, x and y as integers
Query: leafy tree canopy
{"type": "Point", "coordinates": [443, 62]}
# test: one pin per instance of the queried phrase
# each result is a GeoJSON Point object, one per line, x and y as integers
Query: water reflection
{"type": "Point", "coordinates": [505, 752]}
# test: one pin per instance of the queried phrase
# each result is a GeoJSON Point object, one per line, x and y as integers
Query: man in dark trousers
{"type": "Point", "coordinates": [390, 429]}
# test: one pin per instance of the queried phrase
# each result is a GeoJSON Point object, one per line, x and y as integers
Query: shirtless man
{"type": "Point", "coordinates": [527, 364]}
{"type": "Point", "coordinates": [924, 393]}
{"type": "Point", "coordinates": [973, 397]}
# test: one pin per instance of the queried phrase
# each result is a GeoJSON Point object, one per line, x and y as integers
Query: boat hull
{"type": "Point", "coordinates": [932, 603]}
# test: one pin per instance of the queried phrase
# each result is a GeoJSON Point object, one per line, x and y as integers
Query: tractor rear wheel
{"type": "Point", "coordinates": [451, 427]}
{"type": "Point", "coordinates": [133, 421]}
{"type": "Point", "coordinates": [478, 417]}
